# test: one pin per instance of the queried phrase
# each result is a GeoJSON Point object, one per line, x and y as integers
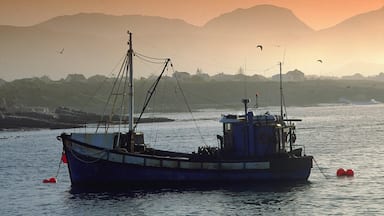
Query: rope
{"type": "Point", "coordinates": [149, 61]}
{"type": "Point", "coordinates": [189, 108]}
{"type": "Point", "coordinates": [148, 57]}
{"type": "Point", "coordinates": [317, 165]}
{"type": "Point", "coordinates": [282, 95]}
{"type": "Point", "coordinates": [150, 93]}
{"type": "Point", "coordinates": [103, 83]}
{"type": "Point", "coordinates": [88, 162]}
{"type": "Point", "coordinates": [115, 88]}
{"type": "Point", "coordinates": [58, 169]}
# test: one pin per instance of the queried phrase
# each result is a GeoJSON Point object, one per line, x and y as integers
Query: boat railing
{"type": "Point", "coordinates": [297, 146]}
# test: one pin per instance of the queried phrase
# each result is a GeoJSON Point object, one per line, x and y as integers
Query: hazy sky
{"type": "Point", "coordinates": [317, 14]}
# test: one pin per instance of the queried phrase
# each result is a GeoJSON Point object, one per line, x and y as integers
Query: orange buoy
{"type": "Point", "coordinates": [340, 172]}
{"type": "Point", "coordinates": [349, 173]}
{"type": "Point", "coordinates": [50, 180]}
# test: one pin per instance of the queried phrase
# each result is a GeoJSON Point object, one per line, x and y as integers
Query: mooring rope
{"type": "Point", "coordinates": [58, 169]}
{"type": "Point", "coordinates": [321, 171]}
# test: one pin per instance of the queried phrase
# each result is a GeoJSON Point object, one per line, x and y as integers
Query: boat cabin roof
{"type": "Point", "coordinates": [230, 118]}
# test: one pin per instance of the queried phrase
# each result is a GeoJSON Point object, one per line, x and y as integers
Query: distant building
{"type": "Point", "coordinates": [294, 75]}
{"type": "Point", "coordinates": [75, 78]}
{"type": "Point", "coordinates": [356, 76]}
{"type": "Point", "coordinates": [181, 75]}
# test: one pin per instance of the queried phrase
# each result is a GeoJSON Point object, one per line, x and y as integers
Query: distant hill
{"type": "Point", "coordinates": [359, 38]}
{"type": "Point", "coordinates": [93, 44]}
{"type": "Point", "coordinates": [259, 22]}
{"type": "Point", "coordinates": [352, 46]}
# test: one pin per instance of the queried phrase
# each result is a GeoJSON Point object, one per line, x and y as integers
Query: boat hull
{"type": "Point", "coordinates": [90, 166]}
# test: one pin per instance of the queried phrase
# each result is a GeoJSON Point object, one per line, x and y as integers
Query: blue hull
{"type": "Point", "coordinates": [85, 170]}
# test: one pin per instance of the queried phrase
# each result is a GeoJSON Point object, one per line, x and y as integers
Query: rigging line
{"type": "Point", "coordinates": [119, 92]}
{"type": "Point", "coordinates": [210, 100]}
{"type": "Point", "coordinates": [270, 68]}
{"type": "Point", "coordinates": [116, 90]}
{"type": "Point", "coordinates": [189, 108]}
{"type": "Point", "coordinates": [103, 116]}
{"type": "Point", "coordinates": [104, 81]}
{"type": "Point", "coordinates": [122, 107]}
{"type": "Point", "coordinates": [285, 49]}
{"type": "Point", "coordinates": [110, 95]}
{"type": "Point", "coordinates": [115, 83]}
{"type": "Point", "coordinates": [139, 54]}
{"type": "Point", "coordinates": [150, 93]}
{"type": "Point", "coordinates": [154, 128]}
{"type": "Point", "coordinates": [245, 79]}
{"type": "Point", "coordinates": [285, 107]}
{"type": "Point", "coordinates": [149, 61]}
{"type": "Point", "coordinates": [157, 108]}
{"type": "Point", "coordinates": [150, 68]}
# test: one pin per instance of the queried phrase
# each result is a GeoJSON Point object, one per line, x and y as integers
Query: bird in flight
{"type": "Point", "coordinates": [61, 51]}
{"type": "Point", "coordinates": [321, 61]}
{"type": "Point", "coordinates": [260, 46]}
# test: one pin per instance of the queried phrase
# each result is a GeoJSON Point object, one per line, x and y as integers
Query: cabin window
{"type": "Point", "coordinates": [228, 136]}
{"type": "Point", "coordinates": [227, 127]}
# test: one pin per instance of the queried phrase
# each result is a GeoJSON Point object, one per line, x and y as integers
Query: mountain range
{"type": "Point", "coordinates": [93, 44]}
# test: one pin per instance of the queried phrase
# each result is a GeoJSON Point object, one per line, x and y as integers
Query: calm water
{"type": "Point", "coordinates": [337, 136]}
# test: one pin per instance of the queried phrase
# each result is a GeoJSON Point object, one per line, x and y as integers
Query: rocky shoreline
{"type": "Point", "coordinates": [60, 119]}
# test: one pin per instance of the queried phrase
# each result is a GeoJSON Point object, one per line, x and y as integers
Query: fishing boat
{"type": "Point", "coordinates": [252, 148]}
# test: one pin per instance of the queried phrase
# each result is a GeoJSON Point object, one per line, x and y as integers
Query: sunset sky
{"type": "Point", "coordinates": [318, 14]}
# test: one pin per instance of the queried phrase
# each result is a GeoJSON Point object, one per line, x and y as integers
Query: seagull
{"type": "Point", "coordinates": [260, 46]}
{"type": "Point", "coordinates": [321, 61]}
{"type": "Point", "coordinates": [61, 51]}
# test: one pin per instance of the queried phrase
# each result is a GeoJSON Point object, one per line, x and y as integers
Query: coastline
{"type": "Point", "coordinates": [57, 120]}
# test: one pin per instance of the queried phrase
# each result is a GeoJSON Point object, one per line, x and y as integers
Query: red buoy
{"type": "Point", "coordinates": [349, 173]}
{"type": "Point", "coordinates": [64, 158]}
{"type": "Point", "coordinates": [50, 180]}
{"type": "Point", "coordinates": [340, 172]}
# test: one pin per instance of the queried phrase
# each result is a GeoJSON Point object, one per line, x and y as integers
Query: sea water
{"type": "Point", "coordinates": [349, 137]}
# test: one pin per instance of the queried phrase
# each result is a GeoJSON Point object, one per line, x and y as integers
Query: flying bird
{"type": "Point", "coordinates": [321, 61]}
{"type": "Point", "coordinates": [259, 46]}
{"type": "Point", "coordinates": [61, 51]}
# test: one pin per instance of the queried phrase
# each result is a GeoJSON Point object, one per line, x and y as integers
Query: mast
{"type": "Point", "coordinates": [245, 102]}
{"type": "Point", "coordinates": [130, 90]}
{"type": "Point", "coordinates": [281, 93]}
